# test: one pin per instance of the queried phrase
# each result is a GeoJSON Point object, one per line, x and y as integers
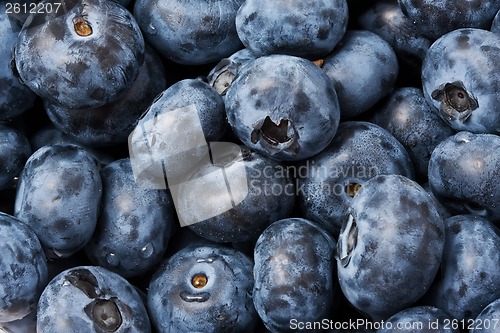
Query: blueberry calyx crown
{"type": "Point", "coordinates": [348, 239]}
{"type": "Point", "coordinates": [456, 102]}
{"type": "Point", "coordinates": [352, 188]}
{"type": "Point", "coordinates": [82, 26]}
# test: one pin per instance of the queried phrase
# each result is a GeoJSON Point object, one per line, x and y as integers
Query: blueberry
{"type": "Point", "coordinates": [419, 319]}
{"type": "Point", "coordinates": [260, 191]}
{"type": "Point", "coordinates": [436, 18]}
{"type": "Point", "coordinates": [58, 196]}
{"type": "Point", "coordinates": [460, 79]}
{"type": "Point", "coordinates": [469, 278]}
{"type": "Point", "coordinates": [203, 289]}
{"type": "Point", "coordinates": [390, 246]}
{"type": "Point", "coordinates": [495, 26]}
{"type": "Point", "coordinates": [191, 32]}
{"type": "Point", "coordinates": [407, 115]}
{"type": "Point", "coordinates": [309, 30]}
{"type": "Point", "coordinates": [15, 97]}
{"type": "Point", "coordinates": [487, 320]}
{"type": "Point", "coordinates": [86, 57]}
{"type": "Point", "coordinates": [294, 277]}
{"type": "Point", "coordinates": [134, 223]}
{"type": "Point", "coordinates": [463, 174]}
{"type": "Point", "coordinates": [329, 180]}
{"type": "Point", "coordinates": [91, 299]}
{"type": "Point", "coordinates": [23, 269]}
{"type": "Point", "coordinates": [284, 107]}
{"type": "Point", "coordinates": [14, 151]}
{"type": "Point", "coordinates": [112, 123]}
{"type": "Point", "coordinates": [364, 69]}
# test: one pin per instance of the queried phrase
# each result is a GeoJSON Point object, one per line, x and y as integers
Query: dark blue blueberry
{"type": "Point", "coordinates": [407, 115]}
{"type": "Point", "coordinates": [294, 275]}
{"type": "Point", "coordinates": [460, 79]}
{"type": "Point", "coordinates": [87, 299]}
{"type": "Point", "coordinates": [435, 18]}
{"type": "Point", "coordinates": [86, 57]}
{"type": "Point", "coordinates": [191, 32]}
{"type": "Point", "coordinates": [469, 278]}
{"type": "Point", "coordinates": [329, 180]}
{"type": "Point", "coordinates": [390, 246]}
{"type": "Point", "coordinates": [134, 223]}
{"type": "Point", "coordinates": [364, 69]}
{"type": "Point", "coordinates": [15, 97]}
{"type": "Point", "coordinates": [419, 319]}
{"type": "Point", "coordinates": [23, 269]}
{"type": "Point", "coordinates": [309, 30]}
{"type": "Point", "coordinates": [235, 198]}
{"type": "Point", "coordinates": [58, 196]}
{"type": "Point", "coordinates": [495, 26]}
{"type": "Point", "coordinates": [284, 107]}
{"type": "Point", "coordinates": [112, 123]}
{"type": "Point", "coordinates": [14, 151]}
{"type": "Point", "coordinates": [463, 174]}
{"type": "Point", "coordinates": [203, 289]}
{"type": "Point", "coordinates": [488, 320]}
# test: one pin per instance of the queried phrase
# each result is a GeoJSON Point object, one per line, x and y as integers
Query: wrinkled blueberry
{"type": "Point", "coordinates": [14, 151]}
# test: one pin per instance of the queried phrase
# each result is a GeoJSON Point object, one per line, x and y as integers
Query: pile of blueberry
{"type": "Point", "coordinates": [216, 166]}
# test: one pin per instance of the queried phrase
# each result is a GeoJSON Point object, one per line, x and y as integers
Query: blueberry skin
{"type": "Point", "coordinates": [23, 269]}
{"type": "Point", "coordinates": [86, 299]}
{"type": "Point", "coordinates": [171, 136]}
{"type": "Point", "coordinates": [268, 196]}
{"type": "Point", "coordinates": [469, 278]}
{"type": "Point", "coordinates": [359, 152]}
{"type": "Point", "coordinates": [15, 97]}
{"type": "Point", "coordinates": [407, 115]}
{"type": "Point", "coordinates": [486, 321]}
{"type": "Point", "coordinates": [112, 123]}
{"type": "Point", "coordinates": [390, 246]}
{"type": "Point", "coordinates": [460, 79]}
{"type": "Point", "coordinates": [364, 69]}
{"type": "Point", "coordinates": [293, 273]}
{"type": "Point", "coordinates": [495, 26]}
{"type": "Point", "coordinates": [310, 30]}
{"type": "Point", "coordinates": [463, 174]}
{"type": "Point", "coordinates": [58, 196]}
{"type": "Point", "coordinates": [203, 289]}
{"type": "Point", "coordinates": [86, 57]}
{"type": "Point", "coordinates": [419, 315]}
{"type": "Point", "coordinates": [436, 18]}
{"type": "Point", "coordinates": [134, 223]}
{"type": "Point", "coordinates": [284, 107]}
{"type": "Point", "coordinates": [190, 32]}
{"type": "Point", "coordinates": [14, 151]}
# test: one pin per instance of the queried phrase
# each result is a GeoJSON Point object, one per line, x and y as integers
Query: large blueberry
{"type": "Point", "coordinates": [390, 246]}
{"type": "Point", "coordinates": [85, 54]}
{"type": "Point", "coordinates": [294, 275]}
{"type": "Point", "coordinates": [14, 151]}
{"type": "Point", "coordinates": [58, 196]}
{"type": "Point", "coordinates": [364, 69]}
{"type": "Point", "coordinates": [461, 80]}
{"type": "Point", "coordinates": [134, 223]}
{"type": "Point", "coordinates": [283, 106]}
{"type": "Point", "coordinates": [15, 97]}
{"type": "Point", "coordinates": [23, 269]}
{"type": "Point", "coordinates": [203, 289]}
{"type": "Point", "coordinates": [419, 319]}
{"type": "Point", "coordinates": [463, 174]}
{"type": "Point", "coordinates": [407, 115]}
{"type": "Point", "coordinates": [304, 29]}
{"type": "Point", "coordinates": [488, 320]}
{"type": "Point", "coordinates": [87, 299]}
{"type": "Point", "coordinates": [111, 124]}
{"type": "Point", "coordinates": [191, 32]}
{"type": "Point", "coordinates": [329, 180]}
{"type": "Point", "coordinates": [469, 278]}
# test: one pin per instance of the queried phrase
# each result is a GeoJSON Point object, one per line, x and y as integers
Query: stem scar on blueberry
{"type": "Point", "coordinates": [456, 102]}
{"type": "Point", "coordinates": [199, 280]}
{"type": "Point", "coordinates": [319, 63]}
{"type": "Point", "coordinates": [273, 133]}
{"type": "Point", "coordinates": [352, 188]}
{"type": "Point", "coordinates": [82, 26]}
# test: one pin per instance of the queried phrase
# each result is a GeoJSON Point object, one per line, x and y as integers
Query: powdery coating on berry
{"type": "Point", "coordinates": [410, 318]}
{"type": "Point", "coordinates": [490, 314]}
{"type": "Point", "coordinates": [400, 239]}
{"type": "Point", "coordinates": [465, 61]}
{"type": "Point", "coordinates": [223, 305]}
{"type": "Point", "coordinates": [304, 29]}
{"type": "Point", "coordinates": [284, 107]}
